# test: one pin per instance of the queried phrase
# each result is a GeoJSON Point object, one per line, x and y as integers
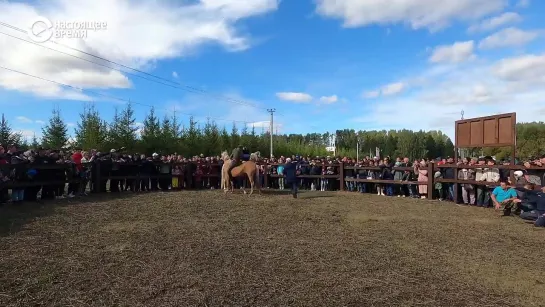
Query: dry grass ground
{"type": "Point", "coordinates": [201, 249]}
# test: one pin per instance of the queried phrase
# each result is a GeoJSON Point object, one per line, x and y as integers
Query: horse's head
{"type": "Point", "coordinates": [224, 156]}
{"type": "Point", "coordinates": [255, 156]}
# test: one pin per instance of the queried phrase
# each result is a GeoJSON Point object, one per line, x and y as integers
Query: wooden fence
{"type": "Point", "coordinates": [431, 168]}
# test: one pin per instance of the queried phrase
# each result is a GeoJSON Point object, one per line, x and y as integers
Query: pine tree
{"type": "Point", "coordinates": [193, 139]}
{"type": "Point", "coordinates": [168, 136]}
{"type": "Point", "coordinates": [151, 133]}
{"type": "Point", "coordinates": [176, 129]}
{"type": "Point", "coordinates": [91, 131]}
{"type": "Point", "coordinates": [225, 140]}
{"type": "Point", "coordinates": [245, 136]}
{"type": "Point", "coordinates": [7, 136]}
{"type": "Point", "coordinates": [207, 147]}
{"type": "Point", "coordinates": [55, 133]}
{"type": "Point", "coordinates": [215, 140]}
{"type": "Point", "coordinates": [235, 137]}
{"type": "Point", "coordinates": [34, 144]}
{"type": "Point", "coordinates": [123, 130]}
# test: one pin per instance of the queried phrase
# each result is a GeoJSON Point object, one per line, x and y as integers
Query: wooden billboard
{"type": "Point", "coordinates": [489, 131]}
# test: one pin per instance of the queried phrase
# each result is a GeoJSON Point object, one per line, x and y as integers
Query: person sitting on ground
{"type": "Point", "coordinates": [504, 195]}
{"type": "Point", "coordinates": [532, 205]}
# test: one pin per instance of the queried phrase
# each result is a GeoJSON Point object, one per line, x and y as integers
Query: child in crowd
{"type": "Point", "coordinates": [438, 185]}
{"type": "Point", "coordinates": [176, 171]}
{"type": "Point", "coordinates": [280, 170]}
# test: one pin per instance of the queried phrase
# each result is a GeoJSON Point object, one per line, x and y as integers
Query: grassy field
{"type": "Point", "coordinates": [204, 249]}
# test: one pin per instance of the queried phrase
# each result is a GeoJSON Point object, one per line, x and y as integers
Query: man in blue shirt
{"type": "Point", "coordinates": [504, 195]}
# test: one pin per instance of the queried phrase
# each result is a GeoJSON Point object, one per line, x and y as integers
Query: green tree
{"type": "Point", "coordinates": [91, 131]}
{"type": "Point", "coordinates": [168, 135]}
{"type": "Point", "coordinates": [193, 138]}
{"type": "Point", "coordinates": [151, 133]}
{"type": "Point", "coordinates": [235, 137]}
{"type": "Point", "coordinates": [55, 133]}
{"type": "Point", "coordinates": [34, 144]}
{"type": "Point", "coordinates": [225, 140]}
{"type": "Point", "coordinates": [7, 136]}
{"type": "Point", "coordinates": [123, 129]}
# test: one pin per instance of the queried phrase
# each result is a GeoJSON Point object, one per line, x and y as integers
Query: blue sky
{"type": "Point", "coordinates": [321, 64]}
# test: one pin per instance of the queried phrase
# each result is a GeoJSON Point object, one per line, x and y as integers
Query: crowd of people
{"type": "Point", "coordinates": [143, 173]}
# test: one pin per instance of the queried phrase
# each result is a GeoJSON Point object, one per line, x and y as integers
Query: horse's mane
{"type": "Point", "coordinates": [255, 156]}
{"type": "Point", "coordinates": [225, 156]}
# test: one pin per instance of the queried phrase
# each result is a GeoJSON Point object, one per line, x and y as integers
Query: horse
{"type": "Point", "coordinates": [248, 168]}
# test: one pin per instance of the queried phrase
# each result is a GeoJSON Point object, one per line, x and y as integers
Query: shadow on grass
{"type": "Point", "coordinates": [14, 217]}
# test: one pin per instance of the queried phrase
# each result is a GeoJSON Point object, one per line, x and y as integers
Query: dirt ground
{"type": "Point", "coordinates": [323, 249]}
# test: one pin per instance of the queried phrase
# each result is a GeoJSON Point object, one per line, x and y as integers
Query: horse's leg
{"type": "Point", "coordinates": [251, 178]}
{"type": "Point", "coordinates": [258, 181]}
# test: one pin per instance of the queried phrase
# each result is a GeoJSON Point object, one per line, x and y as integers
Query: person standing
{"type": "Point", "coordinates": [290, 174]}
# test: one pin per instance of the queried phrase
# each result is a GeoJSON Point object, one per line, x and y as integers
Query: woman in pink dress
{"type": "Point", "coordinates": [422, 172]}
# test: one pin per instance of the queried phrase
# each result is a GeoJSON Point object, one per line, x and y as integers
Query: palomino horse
{"type": "Point", "coordinates": [248, 168]}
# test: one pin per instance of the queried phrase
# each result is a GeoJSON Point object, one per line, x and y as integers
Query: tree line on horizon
{"type": "Point", "coordinates": [167, 136]}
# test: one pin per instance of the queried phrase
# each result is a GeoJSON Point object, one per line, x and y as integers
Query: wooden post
{"type": "Point", "coordinates": [341, 175]}
{"type": "Point", "coordinates": [431, 180]}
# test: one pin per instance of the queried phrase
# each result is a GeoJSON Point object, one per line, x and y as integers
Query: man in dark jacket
{"type": "Point", "coordinates": [532, 205]}
{"type": "Point", "coordinates": [290, 174]}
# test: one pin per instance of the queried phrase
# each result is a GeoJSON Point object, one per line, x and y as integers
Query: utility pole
{"type": "Point", "coordinates": [271, 128]}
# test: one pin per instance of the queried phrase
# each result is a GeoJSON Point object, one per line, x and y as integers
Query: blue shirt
{"type": "Point", "coordinates": [280, 169]}
{"type": "Point", "coordinates": [502, 195]}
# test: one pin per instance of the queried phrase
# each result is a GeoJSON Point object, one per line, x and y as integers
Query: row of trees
{"type": "Point", "coordinates": [167, 136]}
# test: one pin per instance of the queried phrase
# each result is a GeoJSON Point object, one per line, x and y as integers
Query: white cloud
{"type": "Point", "coordinates": [480, 88]}
{"type": "Point", "coordinates": [393, 89]}
{"type": "Point", "coordinates": [139, 128]}
{"type": "Point", "coordinates": [23, 119]}
{"type": "Point", "coordinates": [27, 134]}
{"type": "Point", "coordinates": [329, 99]}
{"type": "Point", "coordinates": [527, 69]}
{"type": "Point", "coordinates": [371, 94]}
{"type": "Point", "coordinates": [294, 97]}
{"type": "Point", "coordinates": [387, 90]}
{"type": "Point", "coordinates": [496, 22]}
{"type": "Point", "coordinates": [175, 75]}
{"type": "Point", "coordinates": [168, 28]}
{"type": "Point", "coordinates": [523, 3]}
{"type": "Point", "coordinates": [265, 126]}
{"type": "Point", "coordinates": [26, 120]}
{"type": "Point", "coordinates": [70, 125]}
{"type": "Point", "coordinates": [431, 14]}
{"type": "Point", "coordinates": [455, 53]}
{"type": "Point", "coordinates": [509, 37]}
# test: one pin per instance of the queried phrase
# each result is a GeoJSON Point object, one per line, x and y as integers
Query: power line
{"type": "Point", "coordinates": [109, 96]}
{"type": "Point", "coordinates": [177, 84]}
